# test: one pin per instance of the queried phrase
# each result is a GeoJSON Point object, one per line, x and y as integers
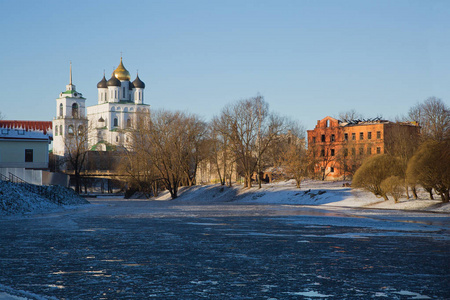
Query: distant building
{"type": "Point", "coordinates": [338, 147]}
{"type": "Point", "coordinates": [120, 103]}
{"type": "Point", "coordinates": [70, 118]}
{"type": "Point", "coordinates": [25, 144]}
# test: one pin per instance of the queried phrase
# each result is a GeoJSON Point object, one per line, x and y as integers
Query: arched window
{"type": "Point", "coordinates": [123, 96]}
{"type": "Point", "coordinates": [75, 110]}
{"type": "Point", "coordinates": [129, 123]}
{"type": "Point", "coordinates": [56, 130]}
{"type": "Point", "coordinates": [61, 108]}
{"type": "Point", "coordinates": [60, 130]}
{"type": "Point", "coordinates": [117, 139]}
{"type": "Point", "coordinates": [116, 122]}
{"type": "Point", "coordinates": [70, 130]}
{"type": "Point", "coordinates": [80, 130]}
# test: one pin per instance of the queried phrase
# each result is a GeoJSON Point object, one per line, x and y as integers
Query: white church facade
{"type": "Point", "coordinates": [108, 123]}
{"type": "Point", "coordinates": [70, 120]}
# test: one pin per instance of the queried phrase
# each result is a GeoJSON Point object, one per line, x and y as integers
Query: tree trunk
{"type": "Point", "coordinates": [406, 189]}
{"type": "Point", "coordinates": [248, 180]}
{"type": "Point", "coordinates": [385, 197]}
{"type": "Point", "coordinates": [414, 191]}
{"type": "Point", "coordinates": [77, 182]}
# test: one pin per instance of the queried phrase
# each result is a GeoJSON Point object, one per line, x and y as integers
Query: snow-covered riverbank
{"type": "Point", "coordinates": [312, 192]}
{"type": "Point", "coordinates": [18, 198]}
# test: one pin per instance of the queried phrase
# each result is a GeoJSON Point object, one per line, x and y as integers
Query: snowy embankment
{"type": "Point", "coordinates": [16, 198]}
{"type": "Point", "coordinates": [317, 193]}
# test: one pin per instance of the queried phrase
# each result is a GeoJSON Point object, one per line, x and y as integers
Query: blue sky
{"type": "Point", "coordinates": [309, 59]}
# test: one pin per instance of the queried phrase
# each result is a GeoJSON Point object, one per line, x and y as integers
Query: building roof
{"type": "Point", "coordinates": [113, 81]}
{"type": "Point", "coordinates": [103, 83]}
{"type": "Point", "coordinates": [43, 126]}
{"type": "Point", "coordinates": [121, 73]}
{"type": "Point", "coordinates": [138, 83]}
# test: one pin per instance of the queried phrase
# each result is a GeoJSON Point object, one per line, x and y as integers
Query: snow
{"type": "Point", "coordinates": [332, 196]}
{"type": "Point", "coordinates": [315, 193]}
{"type": "Point", "coordinates": [16, 198]}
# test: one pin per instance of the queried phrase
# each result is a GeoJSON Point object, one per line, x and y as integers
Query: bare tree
{"type": "Point", "coordinates": [137, 162]}
{"type": "Point", "coordinates": [76, 149]}
{"type": "Point", "coordinates": [195, 146]}
{"type": "Point", "coordinates": [349, 115]}
{"type": "Point", "coordinates": [252, 131]}
{"type": "Point", "coordinates": [433, 116]}
{"type": "Point", "coordinates": [220, 142]}
{"type": "Point", "coordinates": [294, 158]}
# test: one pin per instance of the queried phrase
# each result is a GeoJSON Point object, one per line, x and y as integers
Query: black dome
{"type": "Point", "coordinates": [113, 81]}
{"type": "Point", "coordinates": [138, 83]}
{"type": "Point", "coordinates": [102, 84]}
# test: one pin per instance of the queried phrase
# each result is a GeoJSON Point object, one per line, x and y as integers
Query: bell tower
{"type": "Point", "coordinates": [70, 123]}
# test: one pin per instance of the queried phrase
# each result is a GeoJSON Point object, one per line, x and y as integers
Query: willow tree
{"type": "Point", "coordinates": [430, 167]}
{"type": "Point", "coordinates": [374, 170]}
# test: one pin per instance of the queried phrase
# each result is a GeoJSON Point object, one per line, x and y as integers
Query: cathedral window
{"type": "Point", "coordinates": [56, 130]}
{"type": "Point", "coordinates": [123, 92]}
{"type": "Point", "coordinates": [60, 130]}
{"type": "Point", "coordinates": [117, 139]}
{"type": "Point", "coordinates": [61, 108]}
{"type": "Point", "coordinates": [80, 130]}
{"type": "Point", "coordinates": [116, 122]}
{"type": "Point", "coordinates": [129, 123]}
{"type": "Point", "coordinates": [70, 130]}
{"type": "Point", "coordinates": [75, 110]}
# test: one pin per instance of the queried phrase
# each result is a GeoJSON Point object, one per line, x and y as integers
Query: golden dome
{"type": "Point", "coordinates": [121, 73]}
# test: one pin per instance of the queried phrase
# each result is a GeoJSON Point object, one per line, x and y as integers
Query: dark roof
{"type": "Point", "coordinates": [138, 83]}
{"type": "Point", "coordinates": [102, 84]}
{"type": "Point", "coordinates": [113, 81]}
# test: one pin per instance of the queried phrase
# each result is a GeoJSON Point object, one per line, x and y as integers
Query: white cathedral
{"type": "Point", "coordinates": [108, 123]}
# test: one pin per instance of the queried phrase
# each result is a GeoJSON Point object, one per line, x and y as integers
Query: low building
{"type": "Point", "coordinates": [25, 144]}
{"type": "Point", "coordinates": [338, 148]}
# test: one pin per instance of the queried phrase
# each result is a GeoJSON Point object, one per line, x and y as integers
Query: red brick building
{"type": "Point", "coordinates": [338, 148]}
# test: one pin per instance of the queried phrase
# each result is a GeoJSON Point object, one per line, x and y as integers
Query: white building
{"type": "Point", "coordinates": [70, 121]}
{"type": "Point", "coordinates": [120, 102]}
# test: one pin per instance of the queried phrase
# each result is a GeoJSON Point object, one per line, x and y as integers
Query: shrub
{"type": "Point", "coordinates": [374, 170]}
{"type": "Point", "coordinates": [394, 186]}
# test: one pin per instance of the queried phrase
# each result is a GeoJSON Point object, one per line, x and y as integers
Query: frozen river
{"type": "Point", "coordinates": [117, 249]}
